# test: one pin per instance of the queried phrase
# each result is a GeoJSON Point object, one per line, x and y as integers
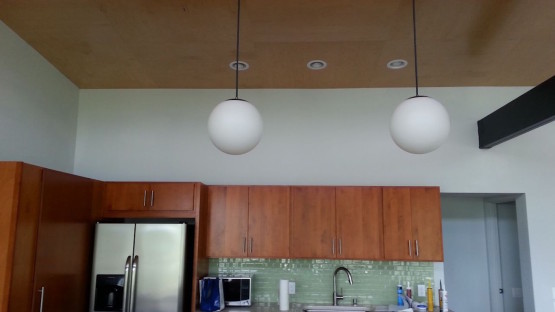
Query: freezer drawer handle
{"type": "Point", "coordinates": [126, 283]}
{"type": "Point", "coordinates": [41, 290]}
{"type": "Point", "coordinates": [135, 268]}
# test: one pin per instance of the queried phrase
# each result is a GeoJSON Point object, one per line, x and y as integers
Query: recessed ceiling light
{"type": "Point", "coordinates": [242, 65]}
{"type": "Point", "coordinates": [397, 64]}
{"type": "Point", "coordinates": [316, 64]}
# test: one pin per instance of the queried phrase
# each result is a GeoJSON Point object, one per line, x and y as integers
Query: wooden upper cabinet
{"type": "Point", "coordinates": [412, 223]}
{"type": "Point", "coordinates": [426, 223]}
{"type": "Point", "coordinates": [172, 196]}
{"type": "Point", "coordinates": [125, 196]}
{"type": "Point", "coordinates": [227, 221]}
{"type": "Point", "coordinates": [144, 199]}
{"type": "Point", "coordinates": [358, 214]}
{"type": "Point", "coordinates": [248, 221]}
{"type": "Point", "coordinates": [268, 229]}
{"type": "Point", "coordinates": [312, 227]}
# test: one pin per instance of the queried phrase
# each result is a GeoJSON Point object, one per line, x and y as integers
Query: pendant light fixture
{"type": "Point", "coordinates": [235, 125]}
{"type": "Point", "coordinates": [419, 124]}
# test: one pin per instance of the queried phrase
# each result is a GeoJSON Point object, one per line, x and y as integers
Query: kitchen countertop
{"type": "Point", "coordinates": [294, 307]}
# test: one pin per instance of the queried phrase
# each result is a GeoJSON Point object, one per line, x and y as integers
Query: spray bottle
{"type": "Point", "coordinates": [430, 295]}
{"type": "Point", "coordinates": [400, 301]}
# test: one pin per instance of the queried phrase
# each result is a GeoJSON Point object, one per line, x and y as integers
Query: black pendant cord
{"type": "Point", "coordinates": [237, 52]}
{"type": "Point", "coordinates": [414, 44]}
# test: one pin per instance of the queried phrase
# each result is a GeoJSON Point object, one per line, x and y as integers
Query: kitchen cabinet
{"type": "Point", "coordinates": [148, 199]}
{"type": "Point", "coordinates": [227, 221]}
{"type": "Point", "coordinates": [268, 230]}
{"type": "Point", "coordinates": [412, 224]}
{"type": "Point", "coordinates": [358, 212]}
{"type": "Point", "coordinates": [312, 228]}
{"type": "Point", "coordinates": [52, 220]}
{"type": "Point", "coordinates": [248, 221]}
{"type": "Point", "coordinates": [336, 222]}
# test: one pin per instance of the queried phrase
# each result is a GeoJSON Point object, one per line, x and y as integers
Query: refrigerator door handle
{"type": "Point", "coordinates": [133, 290]}
{"type": "Point", "coordinates": [126, 284]}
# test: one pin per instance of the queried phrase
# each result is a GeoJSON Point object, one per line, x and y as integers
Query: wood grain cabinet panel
{"type": "Point", "coordinates": [426, 223]}
{"type": "Point", "coordinates": [248, 221]}
{"type": "Point", "coordinates": [336, 222]}
{"type": "Point", "coordinates": [52, 240]}
{"type": "Point", "coordinates": [312, 222]}
{"type": "Point", "coordinates": [227, 226]}
{"type": "Point", "coordinates": [268, 229]}
{"type": "Point", "coordinates": [358, 214]}
{"type": "Point", "coordinates": [412, 223]}
{"type": "Point", "coordinates": [149, 199]}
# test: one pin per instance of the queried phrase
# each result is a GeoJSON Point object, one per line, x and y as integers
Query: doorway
{"type": "Point", "coordinates": [486, 253]}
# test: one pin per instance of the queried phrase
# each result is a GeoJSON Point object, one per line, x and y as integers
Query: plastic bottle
{"type": "Point", "coordinates": [409, 290]}
{"type": "Point", "coordinates": [444, 301]}
{"type": "Point", "coordinates": [400, 301]}
{"type": "Point", "coordinates": [440, 296]}
{"type": "Point", "coordinates": [430, 295]}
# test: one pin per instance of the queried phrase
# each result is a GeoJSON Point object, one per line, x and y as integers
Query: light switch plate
{"type": "Point", "coordinates": [291, 288]}
{"type": "Point", "coordinates": [421, 291]}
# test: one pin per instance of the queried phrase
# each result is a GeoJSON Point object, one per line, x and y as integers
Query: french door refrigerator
{"type": "Point", "coordinates": [141, 267]}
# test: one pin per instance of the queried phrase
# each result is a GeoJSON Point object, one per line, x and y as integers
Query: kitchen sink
{"type": "Point", "coordinates": [331, 308]}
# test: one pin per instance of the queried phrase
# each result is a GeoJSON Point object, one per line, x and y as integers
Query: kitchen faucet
{"type": "Point", "coordinates": [335, 295]}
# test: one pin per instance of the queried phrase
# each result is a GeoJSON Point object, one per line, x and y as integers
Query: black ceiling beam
{"type": "Point", "coordinates": [533, 109]}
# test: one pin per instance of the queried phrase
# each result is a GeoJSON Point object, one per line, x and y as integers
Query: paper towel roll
{"type": "Point", "coordinates": [284, 295]}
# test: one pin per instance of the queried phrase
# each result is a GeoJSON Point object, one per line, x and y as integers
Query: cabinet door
{"type": "Point", "coordinates": [312, 233]}
{"type": "Point", "coordinates": [63, 258]}
{"type": "Point", "coordinates": [269, 221]}
{"type": "Point", "coordinates": [22, 289]}
{"type": "Point", "coordinates": [358, 212]}
{"type": "Point", "coordinates": [426, 223]}
{"type": "Point", "coordinates": [171, 196]}
{"type": "Point", "coordinates": [124, 196]}
{"type": "Point", "coordinates": [227, 221]}
{"type": "Point", "coordinates": [397, 224]}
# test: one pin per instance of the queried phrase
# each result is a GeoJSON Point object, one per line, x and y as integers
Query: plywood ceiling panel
{"type": "Point", "coordinates": [190, 43]}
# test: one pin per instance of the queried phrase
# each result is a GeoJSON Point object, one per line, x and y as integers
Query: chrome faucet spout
{"type": "Point", "coordinates": [337, 297]}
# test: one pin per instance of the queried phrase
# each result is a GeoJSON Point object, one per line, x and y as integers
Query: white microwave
{"type": "Point", "coordinates": [237, 290]}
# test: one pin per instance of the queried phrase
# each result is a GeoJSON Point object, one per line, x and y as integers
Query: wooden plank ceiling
{"type": "Point", "coordinates": [190, 43]}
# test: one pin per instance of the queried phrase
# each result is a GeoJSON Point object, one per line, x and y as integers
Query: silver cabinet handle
{"type": "Point", "coordinates": [245, 244]}
{"type": "Point", "coordinates": [340, 246]}
{"type": "Point", "coordinates": [126, 284]}
{"type": "Point", "coordinates": [333, 246]}
{"type": "Point", "coordinates": [151, 198]}
{"type": "Point", "coordinates": [41, 290]}
{"type": "Point", "coordinates": [251, 245]}
{"type": "Point", "coordinates": [410, 249]}
{"type": "Point", "coordinates": [417, 251]}
{"type": "Point", "coordinates": [144, 199]}
{"type": "Point", "coordinates": [133, 291]}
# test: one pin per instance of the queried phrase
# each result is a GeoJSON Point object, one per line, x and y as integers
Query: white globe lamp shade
{"type": "Point", "coordinates": [420, 125]}
{"type": "Point", "coordinates": [235, 126]}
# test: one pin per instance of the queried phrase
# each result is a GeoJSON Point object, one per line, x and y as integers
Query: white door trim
{"type": "Point", "coordinates": [494, 263]}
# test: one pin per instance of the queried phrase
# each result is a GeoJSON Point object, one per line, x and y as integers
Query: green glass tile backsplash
{"type": "Point", "coordinates": [374, 282]}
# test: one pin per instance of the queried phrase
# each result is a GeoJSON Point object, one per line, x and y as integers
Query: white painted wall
{"type": "Point", "coordinates": [464, 249]}
{"type": "Point", "coordinates": [38, 107]}
{"type": "Point", "coordinates": [335, 137]}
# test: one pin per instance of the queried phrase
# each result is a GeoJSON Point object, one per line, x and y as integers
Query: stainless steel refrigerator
{"type": "Point", "coordinates": [142, 267]}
